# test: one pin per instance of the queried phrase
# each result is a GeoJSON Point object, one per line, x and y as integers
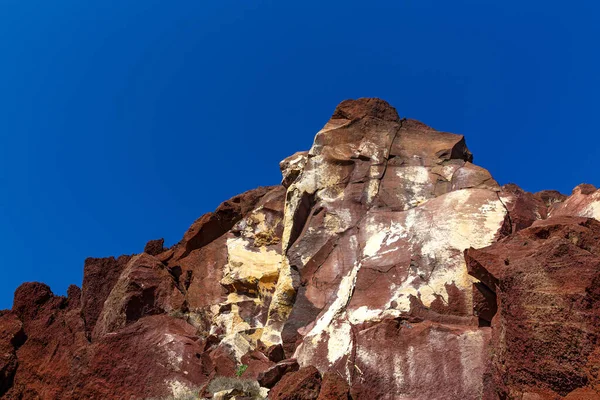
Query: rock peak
{"type": "Point", "coordinates": [365, 107]}
{"type": "Point", "coordinates": [387, 265]}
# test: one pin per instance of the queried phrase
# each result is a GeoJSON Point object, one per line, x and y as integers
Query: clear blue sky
{"type": "Point", "coordinates": [123, 121]}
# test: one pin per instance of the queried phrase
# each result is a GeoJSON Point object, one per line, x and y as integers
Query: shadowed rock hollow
{"type": "Point", "coordinates": [385, 266]}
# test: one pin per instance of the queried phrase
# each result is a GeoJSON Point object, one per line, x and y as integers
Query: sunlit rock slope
{"type": "Point", "coordinates": [385, 266]}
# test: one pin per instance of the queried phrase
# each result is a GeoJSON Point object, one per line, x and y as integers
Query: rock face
{"type": "Point", "coordinates": [546, 285]}
{"type": "Point", "coordinates": [385, 266]}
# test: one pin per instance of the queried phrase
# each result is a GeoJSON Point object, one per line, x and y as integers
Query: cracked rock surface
{"type": "Point", "coordinates": [385, 266]}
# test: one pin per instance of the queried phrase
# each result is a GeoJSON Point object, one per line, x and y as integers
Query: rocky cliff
{"type": "Point", "coordinates": [385, 266]}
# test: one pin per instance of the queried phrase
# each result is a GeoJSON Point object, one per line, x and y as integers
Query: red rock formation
{"type": "Point", "coordinates": [304, 384]}
{"type": "Point", "coordinates": [546, 281]}
{"type": "Point", "coordinates": [385, 266]}
{"type": "Point", "coordinates": [12, 337]}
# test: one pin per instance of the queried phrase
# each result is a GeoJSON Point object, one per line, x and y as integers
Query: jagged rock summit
{"type": "Point", "coordinates": [385, 266]}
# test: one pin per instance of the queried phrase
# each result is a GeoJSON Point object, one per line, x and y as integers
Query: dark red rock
{"type": "Point", "coordinates": [334, 387]}
{"type": "Point", "coordinates": [29, 298]}
{"type": "Point", "coordinates": [275, 353]}
{"type": "Point", "coordinates": [523, 207]}
{"type": "Point", "coordinates": [419, 144]}
{"type": "Point", "coordinates": [99, 277]}
{"type": "Point", "coordinates": [53, 331]}
{"type": "Point", "coordinates": [155, 247]}
{"type": "Point", "coordinates": [550, 197]}
{"type": "Point", "coordinates": [546, 330]}
{"type": "Point", "coordinates": [223, 361]}
{"type": "Point", "coordinates": [257, 363]}
{"type": "Point", "coordinates": [157, 356]}
{"type": "Point", "coordinates": [303, 384]}
{"type": "Point", "coordinates": [585, 188]}
{"type": "Point", "coordinates": [145, 287]}
{"type": "Point", "coordinates": [74, 297]}
{"type": "Point", "coordinates": [365, 107]}
{"type": "Point", "coordinates": [12, 337]}
{"type": "Point", "coordinates": [212, 225]}
{"type": "Point", "coordinates": [420, 360]}
{"type": "Point", "coordinates": [271, 376]}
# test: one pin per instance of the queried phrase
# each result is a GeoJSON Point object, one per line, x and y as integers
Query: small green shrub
{"type": "Point", "coordinates": [241, 369]}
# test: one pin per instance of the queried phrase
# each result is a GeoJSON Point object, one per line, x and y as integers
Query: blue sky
{"type": "Point", "coordinates": [123, 121]}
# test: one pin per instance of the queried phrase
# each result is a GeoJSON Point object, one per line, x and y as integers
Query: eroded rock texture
{"type": "Point", "coordinates": [385, 266]}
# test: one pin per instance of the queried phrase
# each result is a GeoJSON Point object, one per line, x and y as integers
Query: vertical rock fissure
{"type": "Point", "coordinates": [388, 156]}
{"type": "Point", "coordinates": [507, 213]}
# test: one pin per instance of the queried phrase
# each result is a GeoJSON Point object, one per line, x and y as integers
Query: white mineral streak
{"type": "Point", "coordinates": [363, 313]}
{"type": "Point", "coordinates": [174, 357]}
{"type": "Point", "coordinates": [393, 376]}
{"type": "Point", "coordinates": [592, 210]}
{"type": "Point", "coordinates": [434, 230]}
{"type": "Point", "coordinates": [320, 176]}
{"type": "Point", "coordinates": [337, 333]}
{"type": "Point", "coordinates": [416, 185]}
{"type": "Point", "coordinates": [441, 235]}
{"type": "Point", "coordinates": [439, 231]}
{"type": "Point", "coordinates": [293, 163]}
{"type": "Point", "coordinates": [447, 171]}
{"type": "Point", "coordinates": [406, 370]}
{"type": "Point", "coordinates": [372, 190]}
{"type": "Point", "coordinates": [579, 204]}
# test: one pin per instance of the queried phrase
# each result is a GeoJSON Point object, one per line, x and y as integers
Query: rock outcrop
{"type": "Point", "coordinates": [385, 266]}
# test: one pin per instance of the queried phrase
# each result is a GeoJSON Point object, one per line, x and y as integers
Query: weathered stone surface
{"type": "Point", "coordinates": [386, 262]}
{"type": "Point", "coordinates": [422, 360]}
{"type": "Point", "coordinates": [12, 337]}
{"type": "Point", "coordinates": [99, 277]}
{"type": "Point", "coordinates": [334, 387]}
{"type": "Point", "coordinates": [157, 356]}
{"type": "Point", "coordinates": [303, 384]}
{"type": "Point", "coordinates": [145, 287]}
{"type": "Point", "coordinates": [53, 329]}
{"type": "Point", "coordinates": [546, 279]}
